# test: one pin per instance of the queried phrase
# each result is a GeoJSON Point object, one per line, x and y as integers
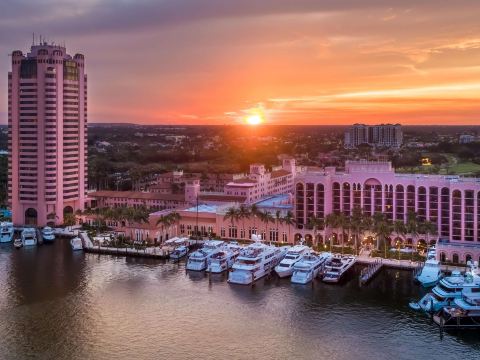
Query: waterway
{"type": "Point", "coordinates": [56, 304]}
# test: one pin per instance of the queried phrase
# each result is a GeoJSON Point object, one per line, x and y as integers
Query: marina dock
{"type": "Point", "coordinates": [152, 253]}
{"type": "Point", "coordinates": [370, 271]}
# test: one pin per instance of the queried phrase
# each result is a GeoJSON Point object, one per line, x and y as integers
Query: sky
{"type": "Point", "coordinates": [290, 62]}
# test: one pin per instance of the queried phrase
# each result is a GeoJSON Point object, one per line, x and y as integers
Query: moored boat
{"type": "Point", "coordinates": [309, 266]}
{"type": "Point", "coordinates": [464, 312]}
{"type": "Point", "coordinates": [285, 268]}
{"type": "Point", "coordinates": [179, 252]}
{"type": "Point", "coordinates": [29, 237]}
{"type": "Point", "coordinates": [448, 289]}
{"type": "Point", "coordinates": [48, 234]}
{"type": "Point", "coordinates": [6, 232]}
{"type": "Point", "coordinates": [18, 243]}
{"type": "Point", "coordinates": [198, 260]}
{"type": "Point", "coordinates": [336, 268]}
{"type": "Point", "coordinates": [223, 260]}
{"type": "Point", "coordinates": [430, 274]}
{"type": "Point", "coordinates": [76, 243]}
{"type": "Point", "coordinates": [254, 262]}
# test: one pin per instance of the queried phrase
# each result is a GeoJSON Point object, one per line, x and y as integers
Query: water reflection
{"type": "Point", "coordinates": [58, 304]}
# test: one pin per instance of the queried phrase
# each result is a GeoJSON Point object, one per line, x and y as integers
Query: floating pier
{"type": "Point", "coordinates": [151, 253]}
{"type": "Point", "coordinates": [370, 271]}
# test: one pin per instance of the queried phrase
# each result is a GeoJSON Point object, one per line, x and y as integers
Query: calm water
{"type": "Point", "coordinates": [64, 305]}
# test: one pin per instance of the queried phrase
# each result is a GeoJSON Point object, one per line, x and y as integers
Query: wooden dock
{"type": "Point", "coordinates": [370, 271]}
{"type": "Point", "coordinates": [150, 253]}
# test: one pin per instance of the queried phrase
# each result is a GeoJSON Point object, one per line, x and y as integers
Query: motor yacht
{"type": "Point", "coordinates": [336, 267]}
{"type": "Point", "coordinates": [448, 289]}
{"type": "Point", "coordinates": [6, 232]}
{"type": "Point", "coordinates": [309, 266]}
{"type": "Point", "coordinates": [76, 243]}
{"type": "Point", "coordinates": [199, 260]}
{"type": "Point", "coordinates": [179, 252]}
{"type": "Point", "coordinates": [18, 243]}
{"type": "Point", "coordinates": [256, 261]}
{"type": "Point", "coordinates": [464, 312]}
{"type": "Point", "coordinates": [430, 274]}
{"type": "Point", "coordinates": [224, 259]}
{"type": "Point", "coordinates": [29, 237]}
{"type": "Point", "coordinates": [285, 268]}
{"type": "Point", "coordinates": [47, 234]}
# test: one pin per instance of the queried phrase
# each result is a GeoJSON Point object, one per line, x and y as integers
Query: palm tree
{"type": "Point", "coordinates": [278, 219]}
{"type": "Point", "coordinates": [331, 221]}
{"type": "Point", "coordinates": [400, 230]}
{"type": "Point", "coordinates": [232, 215]}
{"type": "Point", "coordinates": [356, 225]}
{"type": "Point", "coordinates": [315, 223]}
{"type": "Point", "coordinates": [243, 213]}
{"type": "Point", "coordinates": [266, 218]}
{"type": "Point", "coordinates": [255, 212]}
{"type": "Point", "coordinates": [426, 228]}
{"type": "Point", "coordinates": [382, 229]}
{"type": "Point", "coordinates": [343, 224]}
{"type": "Point", "coordinates": [412, 226]}
{"type": "Point", "coordinates": [289, 220]}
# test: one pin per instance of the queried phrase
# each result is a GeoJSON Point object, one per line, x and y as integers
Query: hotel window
{"type": "Point", "coordinates": [433, 204]}
{"type": "Point", "coordinates": [389, 201]}
{"type": "Point", "coordinates": [469, 215]}
{"type": "Point", "coordinates": [336, 197]}
{"type": "Point", "coordinates": [367, 199]}
{"type": "Point", "coordinates": [457, 215]}
{"type": "Point", "coordinates": [222, 232]}
{"type": "Point", "coordinates": [320, 201]}
{"type": "Point", "coordinates": [422, 203]}
{"type": "Point", "coordinates": [378, 198]}
{"type": "Point", "coordinates": [410, 198]}
{"type": "Point", "coordinates": [357, 195]}
{"type": "Point", "coordinates": [310, 198]}
{"type": "Point", "coordinates": [445, 212]}
{"type": "Point", "coordinates": [284, 237]}
{"type": "Point", "coordinates": [300, 203]}
{"type": "Point", "coordinates": [346, 198]}
{"type": "Point", "coordinates": [273, 235]}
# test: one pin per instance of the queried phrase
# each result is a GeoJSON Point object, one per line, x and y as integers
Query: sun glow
{"type": "Point", "coordinates": [254, 120]}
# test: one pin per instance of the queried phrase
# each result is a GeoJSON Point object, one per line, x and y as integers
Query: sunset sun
{"type": "Point", "coordinates": [254, 120]}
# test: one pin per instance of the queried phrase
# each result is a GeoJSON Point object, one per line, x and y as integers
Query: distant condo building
{"type": "Point", "coordinates": [47, 121]}
{"type": "Point", "coordinates": [384, 135]}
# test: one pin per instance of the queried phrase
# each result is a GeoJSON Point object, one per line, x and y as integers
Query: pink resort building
{"type": "Point", "coordinates": [451, 202]}
{"type": "Point", "coordinates": [47, 122]}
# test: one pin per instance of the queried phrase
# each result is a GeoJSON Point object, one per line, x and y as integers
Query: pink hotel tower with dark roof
{"type": "Point", "coordinates": [47, 121]}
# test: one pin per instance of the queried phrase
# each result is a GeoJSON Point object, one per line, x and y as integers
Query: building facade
{"type": "Point", "coordinates": [451, 202]}
{"type": "Point", "coordinates": [47, 120]}
{"type": "Point", "coordinates": [259, 182]}
{"type": "Point", "coordinates": [384, 135]}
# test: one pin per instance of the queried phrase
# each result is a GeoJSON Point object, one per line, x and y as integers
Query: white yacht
{"type": "Point", "coordinates": [224, 259]}
{"type": "Point", "coordinates": [285, 268]}
{"type": "Point", "coordinates": [76, 243]}
{"type": "Point", "coordinates": [254, 262]}
{"type": "Point", "coordinates": [47, 234]}
{"type": "Point", "coordinates": [29, 237]}
{"type": "Point", "coordinates": [309, 266]}
{"type": "Point", "coordinates": [465, 312]}
{"type": "Point", "coordinates": [448, 289]}
{"type": "Point", "coordinates": [18, 243]}
{"type": "Point", "coordinates": [199, 260]}
{"type": "Point", "coordinates": [6, 232]}
{"type": "Point", "coordinates": [430, 274]}
{"type": "Point", "coordinates": [179, 252]}
{"type": "Point", "coordinates": [336, 267]}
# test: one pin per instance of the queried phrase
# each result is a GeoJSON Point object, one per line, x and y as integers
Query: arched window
{"type": "Point", "coordinates": [399, 203]}
{"type": "Point", "coordinates": [457, 215]}
{"type": "Point", "coordinates": [468, 258]}
{"type": "Point", "coordinates": [455, 258]}
{"type": "Point", "coordinates": [336, 197]}
{"type": "Point", "coordinates": [442, 257]}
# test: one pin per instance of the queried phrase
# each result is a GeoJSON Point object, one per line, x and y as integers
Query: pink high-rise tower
{"type": "Point", "coordinates": [47, 121]}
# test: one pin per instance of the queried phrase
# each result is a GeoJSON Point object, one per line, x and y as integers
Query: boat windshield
{"type": "Point", "coordinates": [284, 265]}
{"type": "Point", "coordinates": [291, 257]}
{"type": "Point", "coordinates": [248, 262]}
{"type": "Point", "coordinates": [446, 289]}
